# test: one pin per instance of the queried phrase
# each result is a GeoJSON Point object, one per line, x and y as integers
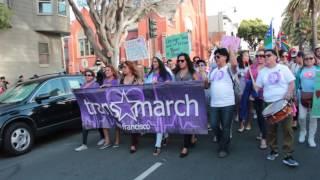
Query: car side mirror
{"type": "Point", "coordinates": [41, 97]}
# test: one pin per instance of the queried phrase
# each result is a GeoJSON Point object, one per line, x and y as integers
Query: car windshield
{"type": "Point", "coordinates": [18, 93]}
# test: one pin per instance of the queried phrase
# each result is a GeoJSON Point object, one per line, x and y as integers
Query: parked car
{"type": "Point", "coordinates": [37, 107]}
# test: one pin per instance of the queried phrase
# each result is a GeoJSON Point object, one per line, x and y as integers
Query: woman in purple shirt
{"type": "Point", "coordinates": [89, 83]}
{"type": "Point", "coordinates": [111, 79]}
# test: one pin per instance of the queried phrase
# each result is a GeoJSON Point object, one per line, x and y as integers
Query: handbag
{"type": "Point", "coordinates": [306, 99]}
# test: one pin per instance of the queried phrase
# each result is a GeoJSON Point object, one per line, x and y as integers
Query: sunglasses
{"type": "Point", "coordinates": [217, 57]}
{"type": "Point", "coordinates": [88, 75]}
{"type": "Point", "coordinates": [260, 56]}
{"type": "Point", "coordinates": [181, 61]}
{"type": "Point", "coordinates": [268, 55]}
{"type": "Point", "coordinates": [202, 65]}
{"type": "Point", "coordinates": [308, 58]}
{"type": "Point", "coordinates": [285, 56]}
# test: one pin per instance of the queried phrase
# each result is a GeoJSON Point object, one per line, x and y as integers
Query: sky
{"type": "Point", "coordinates": [250, 9]}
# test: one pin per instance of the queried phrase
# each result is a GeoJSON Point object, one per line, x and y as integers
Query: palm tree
{"type": "Point", "coordinates": [298, 8]}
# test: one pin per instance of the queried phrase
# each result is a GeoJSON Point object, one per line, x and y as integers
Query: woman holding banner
{"type": "Point", "coordinates": [158, 73]}
{"type": "Point", "coordinates": [89, 83]}
{"type": "Point", "coordinates": [111, 79]}
{"type": "Point", "coordinates": [185, 72]}
{"type": "Point", "coordinates": [130, 76]}
{"type": "Point", "coordinates": [306, 82]}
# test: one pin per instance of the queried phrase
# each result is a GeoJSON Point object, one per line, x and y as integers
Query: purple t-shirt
{"type": "Point", "coordinates": [113, 82]}
{"type": "Point", "coordinates": [91, 84]}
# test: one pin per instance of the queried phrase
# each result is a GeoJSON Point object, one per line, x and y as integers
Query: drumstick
{"type": "Point", "coordinates": [251, 76]}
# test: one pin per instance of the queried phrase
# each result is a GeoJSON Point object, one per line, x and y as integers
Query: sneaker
{"type": "Point", "coordinates": [116, 146]}
{"type": "Point", "coordinates": [302, 138]}
{"type": "Point", "coordinates": [222, 154]}
{"type": "Point", "coordinates": [100, 142]}
{"type": "Point", "coordinates": [311, 143]}
{"type": "Point", "coordinates": [104, 146]}
{"type": "Point", "coordinates": [81, 148]}
{"type": "Point", "coordinates": [272, 156]}
{"type": "Point", "coordinates": [289, 161]}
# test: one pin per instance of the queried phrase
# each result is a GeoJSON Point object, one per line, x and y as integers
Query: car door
{"type": "Point", "coordinates": [74, 82]}
{"type": "Point", "coordinates": [54, 109]}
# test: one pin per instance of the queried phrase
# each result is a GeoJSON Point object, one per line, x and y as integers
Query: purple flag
{"type": "Point", "coordinates": [175, 107]}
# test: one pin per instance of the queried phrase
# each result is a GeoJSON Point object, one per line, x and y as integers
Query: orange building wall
{"type": "Point", "coordinates": [194, 9]}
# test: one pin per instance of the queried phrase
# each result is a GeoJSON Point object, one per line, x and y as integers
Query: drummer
{"type": "Point", "coordinates": [277, 82]}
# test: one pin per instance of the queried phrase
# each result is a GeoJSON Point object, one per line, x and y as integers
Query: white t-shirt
{"type": "Point", "coordinates": [275, 82]}
{"type": "Point", "coordinates": [221, 88]}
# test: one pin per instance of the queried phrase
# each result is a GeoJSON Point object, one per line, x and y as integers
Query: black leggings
{"type": "Point", "coordinates": [85, 133]}
{"type": "Point", "coordinates": [258, 106]}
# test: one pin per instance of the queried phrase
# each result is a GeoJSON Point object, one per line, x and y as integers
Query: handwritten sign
{"type": "Point", "coordinates": [177, 44]}
{"type": "Point", "coordinates": [230, 41]}
{"type": "Point", "coordinates": [136, 49]}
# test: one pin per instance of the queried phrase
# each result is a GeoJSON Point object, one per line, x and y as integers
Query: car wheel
{"type": "Point", "coordinates": [18, 139]}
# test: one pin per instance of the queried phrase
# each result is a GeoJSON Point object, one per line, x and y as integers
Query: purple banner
{"type": "Point", "coordinates": [175, 107]}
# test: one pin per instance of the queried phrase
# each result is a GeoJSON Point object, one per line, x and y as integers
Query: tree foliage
{"type": "Point", "coordinates": [112, 18]}
{"type": "Point", "coordinates": [252, 29]}
{"type": "Point", "coordinates": [5, 15]}
{"type": "Point", "coordinates": [301, 21]}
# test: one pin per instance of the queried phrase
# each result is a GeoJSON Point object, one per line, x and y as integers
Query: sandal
{"type": "Point", "coordinates": [156, 151]}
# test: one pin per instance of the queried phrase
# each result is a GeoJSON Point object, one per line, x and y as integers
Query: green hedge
{"type": "Point", "coordinates": [5, 15]}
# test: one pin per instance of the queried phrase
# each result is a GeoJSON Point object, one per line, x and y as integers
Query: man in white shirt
{"type": "Point", "coordinates": [277, 82]}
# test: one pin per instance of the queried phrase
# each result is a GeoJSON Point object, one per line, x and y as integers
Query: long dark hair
{"type": "Point", "coordinates": [162, 70]}
{"type": "Point", "coordinates": [240, 60]}
{"type": "Point", "coordinates": [189, 63]}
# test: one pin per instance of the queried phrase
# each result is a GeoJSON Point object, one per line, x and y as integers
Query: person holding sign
{"type": "Point", "coordinates": [185, 72]}
{"type": "Point", "coordinates": [222, 93]}
{"type": "Point", "coordinates": [158, 74]}
{"type": "Point", "coordinates": [306, 82]}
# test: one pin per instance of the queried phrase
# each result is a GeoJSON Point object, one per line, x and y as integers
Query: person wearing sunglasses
{"type": "Point", "coordinates": [284, 57]}
{"type": "Point", "coordinates": [277, 82]}
{"type": "Point", "coordinates": [306, 85]}
{"type": "Point", "coordinates": [185, 71]}
{"type": "Point", "coordinates": [158, 74]}
{"type": "Point", "coordinates": [251, 78]}
{"type": "Point", "coordinates": [90, 82]}
{"type": "Point", "coordinates": [222, 93]}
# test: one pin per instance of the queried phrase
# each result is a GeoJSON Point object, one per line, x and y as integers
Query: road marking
{"type": "Point", "coordinates": [148, 171]}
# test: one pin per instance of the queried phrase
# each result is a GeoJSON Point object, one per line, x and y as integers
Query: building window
{"type": "Point", "coordinates": [85, 47]}
{"type": "Point", "coordinates": [43, 53]}
{"type": "Point", "coordinates": [62, 10]}
{"type": "Point", "coordinates": [45, 6]}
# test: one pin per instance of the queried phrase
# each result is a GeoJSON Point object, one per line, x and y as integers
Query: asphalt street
{"type": "Point", "coordinates": [54, 158]}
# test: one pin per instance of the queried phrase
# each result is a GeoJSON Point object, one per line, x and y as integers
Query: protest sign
{"type": "Point", "coordinates": [231, 41]}
{"type": "Point", "coordinates": [177, 44]}
{"type": "Point", "coordinates": [146, 108]}
{"type": "Point", "coordinates": [136, 49]}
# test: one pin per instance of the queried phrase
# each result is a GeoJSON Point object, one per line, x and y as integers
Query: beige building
{"type": "Point", "coordinates": [34, 43]}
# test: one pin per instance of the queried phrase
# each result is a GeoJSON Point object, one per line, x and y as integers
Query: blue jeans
{"type": "Point", "coordinates": [221, 119]}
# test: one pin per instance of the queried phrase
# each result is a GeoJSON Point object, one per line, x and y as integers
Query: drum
{"type": "Point", "coordinates": [277, 111]}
